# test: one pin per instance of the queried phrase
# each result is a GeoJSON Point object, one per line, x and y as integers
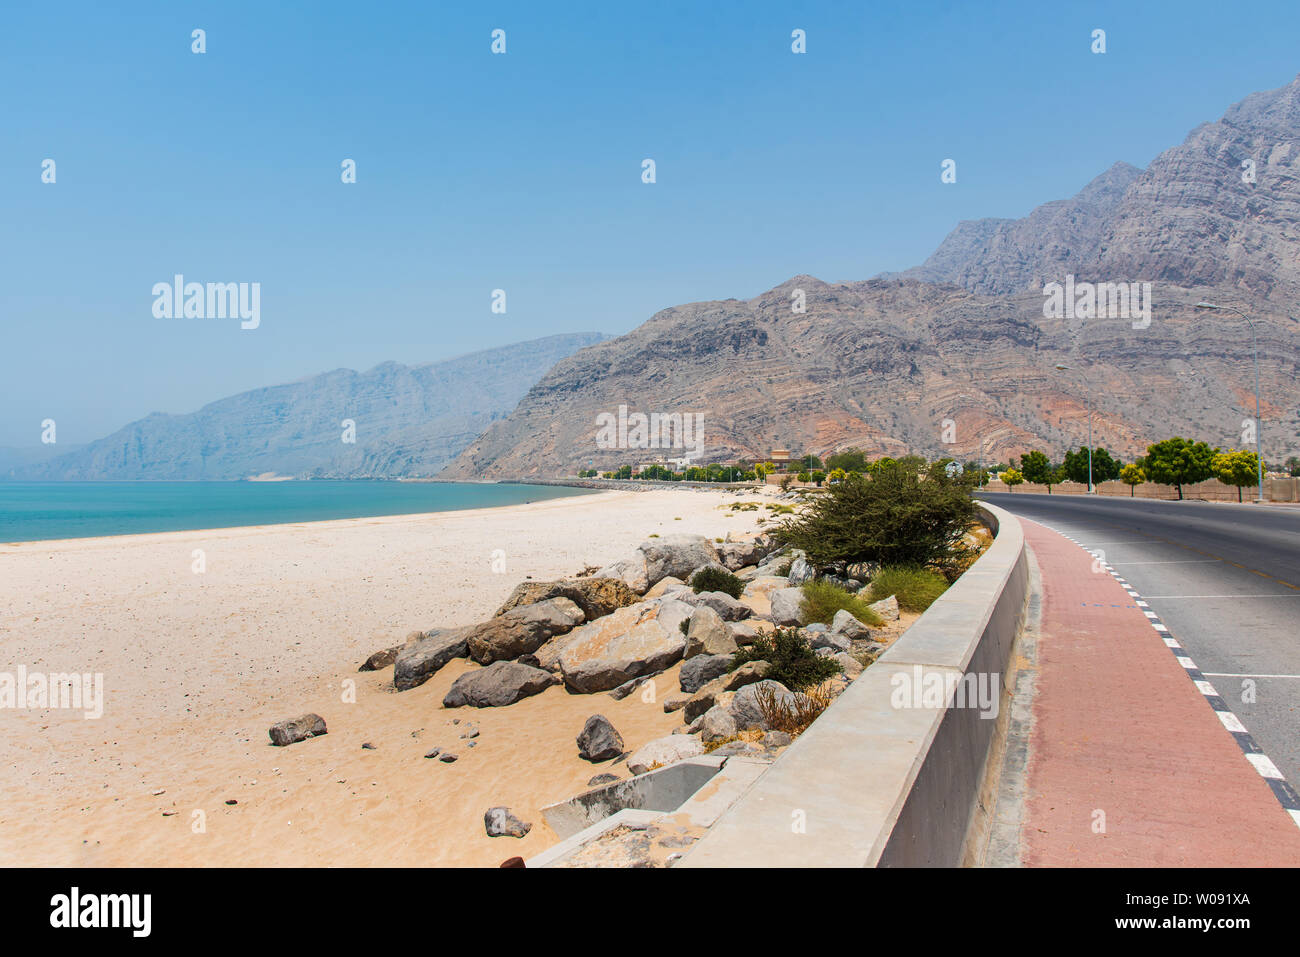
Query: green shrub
{"type": "Point", "coordinates": [793, 661]}
{"type": "Point", "coordinates": [821, 600]}
{"type": "Point", "coordinates": [916, 588]}
{"type": "Point", "coordinates": [897, 517]}
{"type": "Point", "coordinates": [715, 579]}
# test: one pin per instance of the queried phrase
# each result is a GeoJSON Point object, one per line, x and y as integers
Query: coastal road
{"type": "Point", "coordinates": [1225, 579]}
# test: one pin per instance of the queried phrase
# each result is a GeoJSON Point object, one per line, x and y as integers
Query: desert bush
{"type": "Point", "coordinates": [792, 717]}
{"type": "Point", "coordinates": [715, 579]}
{"type": "Point", "coordinates": [793, 661]}
{"type": "Point", "coordinates": [822, 599]}
{"type": "Point", "coordinates": [897, 517]}
{"type": "Point", "coordinates": [916, 588]}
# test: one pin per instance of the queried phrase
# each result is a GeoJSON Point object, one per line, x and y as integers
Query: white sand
{"type": "Point", "coordinates": [198, 666]}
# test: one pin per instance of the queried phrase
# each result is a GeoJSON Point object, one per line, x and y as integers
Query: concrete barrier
{"type": "Point", "coordinates": [882, 781]}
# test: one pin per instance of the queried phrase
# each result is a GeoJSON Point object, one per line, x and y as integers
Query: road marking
{"type": "Point", "coordinates": [1225, 674]}
{"type": "Point", "coordinates": [1182, 561]}
{"type": "Point", "coordinates": [1279, 595]}
{"type": "Point", "coordinates": [1282, 790]}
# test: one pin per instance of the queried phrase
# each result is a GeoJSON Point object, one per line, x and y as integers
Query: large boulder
{"type": "Point", "coordinates": [787, 606]}
{"type": "Point", "coordinates": [832, 640]}
{"type": "Point", "coordinates": [676, 555]}
{"type": "Point", "coordinates": [667, 586]}
{"type": "Point", "coordinates": [631, 571]}
{"type": "Point", "coordinates": [727, 607]}
{"type": "Point", "coordinates": [698, 671]}
{"type": "Point", "coordinates": [522, 630]}
{"type": "Point", "coordinates": [634, 641]}
{"type": "Point", "coordinates": [664, 751]}
{"type": "Point", "coordinates": [497, 685]}
{"type": "Point", "coordinates": [886, 608]}
{"type": "Point", "coordinates": [417, 662]}
{"type": "Point", "coordinates": [595, 595]}
{"type": "Point", "coordinates": [598, 740]}
{"type": "Point", "coordinates": [757, 595]}
{"type": "Point", "coordinates": [845, 624]}
{"type": "Point", "coordinates": [745, 707]}
{"type": "Point", "coordinates": [708, 634]}
{"type": "Point", "coordinates": [740, 550]}
{"type": "Point", "coordinates": [801, 571]}
{"type": "Point", "coordinates": [717, 724]}
{"type": "Point", "coordinates": [293, 730]}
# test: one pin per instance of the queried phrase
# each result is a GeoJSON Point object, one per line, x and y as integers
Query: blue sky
{"type": "Point", "coordinates": [523, 171]}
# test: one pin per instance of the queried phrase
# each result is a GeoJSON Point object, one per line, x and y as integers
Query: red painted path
{"type": "Point", "coordinates": [1120, 728]}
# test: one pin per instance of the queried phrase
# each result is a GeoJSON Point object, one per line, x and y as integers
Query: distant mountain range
{"type": "Point", "coordinates": [959, 355]}
{"type": "Point", "coordinates": [409, 421]}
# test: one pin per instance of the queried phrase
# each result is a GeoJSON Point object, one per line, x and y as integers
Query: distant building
{"type": "Point", "coordinates": [780, 456]}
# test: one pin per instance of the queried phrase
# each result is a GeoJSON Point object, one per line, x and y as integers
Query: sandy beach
{"type": "Point", "coordinates": [179, 769]}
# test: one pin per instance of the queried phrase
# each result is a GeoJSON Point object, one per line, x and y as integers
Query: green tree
{"type": "Point", "coordinates": [818, 476]}
{"type": "Point", "coordinates": [810, 461]}
{"type": "Point", "coordinates": [850, 459]}
{"type": "Point", "coordinates": [1132, 476]}
{"type": "Point", "coordinates": [1292, 466]}
{"type": "Point", "coordinates": [1011, 478]}
{"type": "Point", "coordinates": [1037, 468]}
{"type": "Point", "coordinates": [838, 475]}
{"type": "Point", "coordinates": [1104, 468]}
{"type": "Point", "coordinates": [1236, 467]}
{"type": "Point", "coordinates": [1178, 462]}
{"type": "Point", "coordinates": [803, 477]}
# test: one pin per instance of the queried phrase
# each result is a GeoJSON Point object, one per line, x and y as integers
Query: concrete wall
{"type": "Point", "coordinates": [876, 781]}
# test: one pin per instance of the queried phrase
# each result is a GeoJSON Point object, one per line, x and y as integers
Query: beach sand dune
{"type": "Point", "coordinates": [197, 666]}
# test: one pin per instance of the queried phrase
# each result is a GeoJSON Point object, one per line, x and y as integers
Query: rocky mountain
{"type": "Point", "coordinates": [961, 352]}
{"type": "Point", "coordinates": [409, 421]}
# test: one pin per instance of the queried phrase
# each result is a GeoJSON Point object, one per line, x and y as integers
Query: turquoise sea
{"type": "Point", "coordinates": [39, 511]}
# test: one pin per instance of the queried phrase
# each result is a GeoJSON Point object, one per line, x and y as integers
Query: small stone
{"type": "Point", "coordinates": [499, 822]}
{"type": "Point", "coordinates": [447, 757]}
{"type": "Point", "coordinates": [293, 730]}
{"type": "Point", "coordinates": [598, 740]}
{"type": "Point", "coordinates": [231, 801]}
{"type": "Point", "coordinates": [367, 746]}
{"type": "Point", "coordinates": [600, 779]}
{"type": "Point", "coordinates": [434, 753]}
{"type": "Point", "coordinates": [886, 608]}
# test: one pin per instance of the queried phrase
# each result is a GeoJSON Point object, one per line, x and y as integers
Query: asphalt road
{"type": "Point", "coordinates": [1225, 579]}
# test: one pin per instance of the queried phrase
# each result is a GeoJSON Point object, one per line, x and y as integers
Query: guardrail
{"type": "Point", "coordinates": [883, 778]}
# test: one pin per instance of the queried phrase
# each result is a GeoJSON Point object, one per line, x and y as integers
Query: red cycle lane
{"type": "Point", "coordinates": [1129, 765]}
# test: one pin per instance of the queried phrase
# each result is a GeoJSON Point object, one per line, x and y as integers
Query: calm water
{"type": "Point", "coordinates": [37, 511]}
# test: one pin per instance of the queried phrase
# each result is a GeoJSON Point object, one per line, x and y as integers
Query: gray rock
{"type": "Point", "coordinates": [627, 644]}
{"type": "Point", "coordinates": [447, 757]}
{"type": "Point", "coordinates": [595, 595]}
{"type": "Point", "coordinates": [886, 608]}
{"type": "Point", "coordinates": [418, 662]}
{"type": "Point", "coordinates": [845, 624]}
{"type": "Point", "coordinates": [787, 606]}
{"type": "Point", "coordinates": [845, 583]}
{"type": "Point", "coordinates": [707, 696]}
{"type": "Point", "coordinates": [834, 641]}
{"type": "Point", "coordinates": [801, 571]}
{"type": "Point", "coordinates": [497, 685]}
{"type": "Point", "coordinates": [862, 571]}
{"type": "Point", "coordinates": [675, 702]}
{"type": "Point", "coordinates": [852, 667]}
{"type": "Point", "coordinates": [698, 671]}
{"type": "Point", "coordinates": [627, 687]}
{"type": "Point", "coordinates": [598, 740]}
{"type": "Point", "coordinates": [631, 571]}
{"type": "Point", "coordinates": [727, 608]}
{"type": "Point", "coordinates": [745, 705]}
{"type": "Point", "coordinates": [816, 627]}
{"type": "Point", "coordinates": [676, 555]}
{"type": "Point", "coordinates": [522, 630]}
{"type": "Point", "coordinates": [600, 779]}
{"type": "Point", "coordinates": [738, 749]}
{"type": "Point", "coordinates": [434, 753]}
{"type": "Point", "coordinates": [293, 730]}
{"type": "Point", "coordinates": [499, 822]}
{"type": "Point", "coordinates": [743, 632]}
{"type": "Point", "coordinates": [664, 751]}
{"type": "Point", "coordinates": [717, 724]}
{"type": "Point", "coordinates": [776, 739]}
{"type": "Point", "coordinates": [708, 634]}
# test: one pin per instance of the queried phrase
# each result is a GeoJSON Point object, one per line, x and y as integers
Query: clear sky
{"type": "Point", "coordinates": [523, 171]}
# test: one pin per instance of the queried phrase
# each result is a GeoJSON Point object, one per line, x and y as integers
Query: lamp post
{"type": "Point", "coordinates": [1259, 432]}
{"type": "Point", "coordinates": [1087, 390]}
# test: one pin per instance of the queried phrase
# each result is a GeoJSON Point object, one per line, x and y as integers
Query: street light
{"type": "Point", "coordinates": [1259, 432]}
{"type": "Point", "coordinates": [1087, 391]}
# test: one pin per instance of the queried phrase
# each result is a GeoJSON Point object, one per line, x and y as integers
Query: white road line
{"type": "Point", "coordinates": [1265, 767]}
{"type": "Point", "coordinates": [1289, 595]}
{"type": "Point", "coordinates": [1231, 721]}
{"type": "Point", "coordinates": [1188, 561]}
{"type": "Point", "coordinates": [1225, 674]}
